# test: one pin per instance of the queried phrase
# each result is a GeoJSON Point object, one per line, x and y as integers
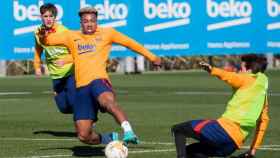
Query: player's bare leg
{"type": "Point", "coordinates": [87, 135]}
{"type": "Point", "coordinates": [108, 102]}
{"type": "Point", "coordinates": [85, 132]}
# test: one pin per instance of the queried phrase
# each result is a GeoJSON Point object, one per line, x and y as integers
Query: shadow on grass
{"type": "Point", "coordinates": [85, 151]}
{"type": "Point", "coordinates": [91, 151]}
{"type": "Point", "coordinates": [56, 133]}
{"type": "Point", "coordinates": [82, 151]}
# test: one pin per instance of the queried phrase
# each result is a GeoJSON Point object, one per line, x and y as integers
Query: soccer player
{"type": "Point", "coordinates": [246, 110]}
{"type": "Point", "coordinates": [62, 77]}
{"type": "Point", "coordinates": [90, 49]}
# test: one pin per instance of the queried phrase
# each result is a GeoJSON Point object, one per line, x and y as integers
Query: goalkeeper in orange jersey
{"type": "Point", "coordinates": [62, 77]}
{"type": "Point", "coordinates": [90, 49]}
{"type": "Point", "coordinates": [246, 110]}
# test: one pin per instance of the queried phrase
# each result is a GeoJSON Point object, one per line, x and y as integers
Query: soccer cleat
{"type": "Point", "coordinates": [130, 137]}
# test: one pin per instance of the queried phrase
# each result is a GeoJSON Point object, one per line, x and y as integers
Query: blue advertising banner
{"type": "Point", "coordinates": [272, 25]}
{"type": "Point", "coordinates": [230, 26]}
{"type": "Point", "coordinates": [5, 27]}
{"type": "Point", "coordinates": [166, 27]}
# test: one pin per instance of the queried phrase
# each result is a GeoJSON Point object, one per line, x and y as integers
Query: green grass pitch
{"type": "Point", "coordinates": [31, 126]}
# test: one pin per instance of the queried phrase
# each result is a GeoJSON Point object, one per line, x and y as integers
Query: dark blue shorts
{"type": "Point", "coordinates": [87, 106]}
{"type": "Point", "coordinates": [213, 139]}
{"type": "Point", "coordinates": [65, 93]}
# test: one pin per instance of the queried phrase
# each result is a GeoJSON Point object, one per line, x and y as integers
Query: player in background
{"type": "Point", "coordinates": [62, 77]}
{"type": "Point", "coordinates": [246, 110]}
{"type": "Point", "coordinates": [90, 49]}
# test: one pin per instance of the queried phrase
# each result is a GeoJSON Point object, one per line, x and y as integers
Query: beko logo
{"type": "Point", "coordinates": [117, 13]}
{"type": "Point", "coordinates": [273, 10]}
{"type": "Point", "coordinates": [239, 13]}
{"type": "Point", "coordinates": [176, 13]}
{"type": "Point", "coordinates": [31, 12]}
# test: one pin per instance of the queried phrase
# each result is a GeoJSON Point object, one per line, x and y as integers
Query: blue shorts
{"type": "Point", "coordinates": [65, 93]}
{"type": "Point", "coordinates": [87, 106]}
{"type": "Point", "coordinates": [214, 140]}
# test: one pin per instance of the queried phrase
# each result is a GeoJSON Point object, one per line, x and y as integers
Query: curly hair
{"type": "Point", "coordinates": [88, 10]}
{"type": "Point", "coordinates": [255, 62]}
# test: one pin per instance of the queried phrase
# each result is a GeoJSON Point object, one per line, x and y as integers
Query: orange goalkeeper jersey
{"type": "Point", "coordinates": [91, 52]}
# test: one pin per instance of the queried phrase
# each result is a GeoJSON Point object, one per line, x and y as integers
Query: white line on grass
{"type": "Point", "coordinates": [47, 92]}
{"type": "Point", "coordinates": [134, 152]}
{"type": "Point", "coordinates": [265, 147]}
{"type": "Point", "coordinates": [73, 139]}
{"type": "Point", "coordinates": [45, 156]}
{"type": "Point", "coordinates": [15, 93]}
{"type": "Point", "coordinates": [201, 93]}
{"type": "Point", "coordinates": [13, 99]}
{"type": "Point", "coordinates": [157, 143]}
{"type": "Point", "coordinates": [270, 147]}
{"type": "Point", "coordinates": [144, 93]}
{"type": "Point", "coordinates": [130, 152]}
{"type": "Point", "coordinates": [274, 146]}
{"type": "Point", "coordinates": [151, 151]}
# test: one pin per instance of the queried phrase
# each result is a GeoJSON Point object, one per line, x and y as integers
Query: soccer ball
{"type": "Point", "coordinates": [116, 149]}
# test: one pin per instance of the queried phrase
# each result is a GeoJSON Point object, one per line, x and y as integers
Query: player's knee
{"type": "Point", "coordinates": [107, 100]}
{"type": "Point", "coordinates": [109, 105]}
{"type": "Point", "coordinates": [177, 130]}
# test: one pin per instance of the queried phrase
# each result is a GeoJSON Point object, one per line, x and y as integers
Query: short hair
{"type": "Point", "coordinates": [257, 63]}
{"type": "Point", "coordinates": [48, 7]}
{"type": "Point", "coordinates": [88, 10]}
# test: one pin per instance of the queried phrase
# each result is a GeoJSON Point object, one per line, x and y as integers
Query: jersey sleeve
{"type": "Point", "coordinates": [124, 40]}
{"type": "Point", "coordinates": [234, 79]}
{"type": "Point", "coordinates": [37, 56]}
{"type": "Point", "coordinates": [262, 125]}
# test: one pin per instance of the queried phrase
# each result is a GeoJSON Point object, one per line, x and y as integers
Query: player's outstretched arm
{"type": "Point", "coordinates": [207, 67]}
{"type": "Point", "coordinates": [130, 43]}
{"type": "Point", "coordinates": [37, 62]}
{"type": "Point", "coordinates": [234, 79]}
